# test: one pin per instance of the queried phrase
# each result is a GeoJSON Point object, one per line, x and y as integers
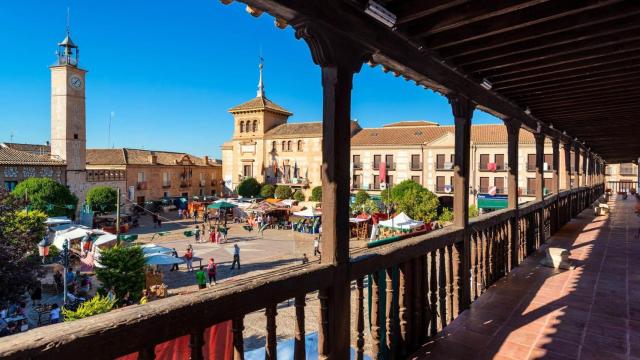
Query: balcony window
{"type": "Point", "coordinates": [376, 161]}
{"type": "Point", "coordinates": [357, 181]}
{"type": "Point", "coordinates": [484, 161]}
{"type": "Point", "coordinates": [548, 159]}
{"type": "Point", "coordinates": [531, 162]}
{"type": "Point", "coordinates": [499, 160]}
{"type": "Point", "coordinates": [376, 182]}
{"type": "Point", "coordinates": [415, 179]}
{"type": "Point", "coordinates": [484, 184]}
{"type": "Point", "coordinates": [388, 159]}
{"type": "Point", "coordinates": [440, 183]}
{"type": "Point", "coordinates": [439, 161]}
{"type": "Point", "coordinates": [415, 162]}
{"type": "Point", "coordinates": [356, 162]}
{"type": "Point", "coordinates": [300, 145]}
{"type": "Point", "coordinates": [498, 182]}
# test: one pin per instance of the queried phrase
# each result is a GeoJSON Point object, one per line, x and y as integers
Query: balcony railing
{"type": "Point", "coordinates": [447, 166]}
{"type": "Point", "coordinates": [485, 190]}
{"type": "Point", "coordinates": [185, 183]}
{"type": "Point", "coordinates": [416, 166]}
{"type": "Point", "coordinates": [489, 167]}
{"type": "Point", "coordinates": [166, 184]}
{"type": "Point", "coordinates": [356, 186]}
{"type": "Point", "coordinates": [443, 189]}
{"type": "Point", "coordinates": [203, 183]}
{"type": "Point", "coordinates": [391, 166]}
{"type": "Point", "coordinates": [141, 185]}
{"type": "Point", "coordinates": [357, 165]}
{"type": "Point", "coordinates": [627, 171]}
{"type": "Point", "coordinates": [406, 266]}
{"type": "Point", "coordinates": [376, 166]}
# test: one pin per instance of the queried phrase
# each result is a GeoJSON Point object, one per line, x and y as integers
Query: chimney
{"type": "Point", "coordinates": [153, 158]}
{"type": "Point", "coordinates": [206, 160]}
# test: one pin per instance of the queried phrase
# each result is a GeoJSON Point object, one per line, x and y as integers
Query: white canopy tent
{"type": "Point", "coordinates": [402, 222]}
{"type": "Point", "coordinates": [307, 213]}
{"type": "Point", "coordinates": [72, 233]}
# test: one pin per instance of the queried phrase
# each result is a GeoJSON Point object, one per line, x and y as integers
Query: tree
{"type": "Point", "coordinates": [361, 197]}
{"type": "Point", "coordinates": [48, 196]}
{"type": "Point", "coordinates": [316, 193]}
{"type": "Point", "coordinates": [267, 191]}
{"type": "Point", "coordinates": [298, 195]}
{"type": "Point", "coordinates": [102, 198]}
{"type": "Point", "coordinates": [97, 305]}
{"type": "Point", "coordinates": [123, 268]}
{"type": "Point", "coordinates": [249, 187]}
{"type": "Point", "coordinates": [283, 192]}
{"type": "Point", "coordinates": [416, 201]}
{"type": "Point", "coordinates": [20, 233]}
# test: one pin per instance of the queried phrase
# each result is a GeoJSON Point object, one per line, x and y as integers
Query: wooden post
{"type": "Point", "coordinates": [576, 170]}
{"type": "Point", "coordinates": [339, 59]}
{"type": "Point", "coordinates": [299, 351]}
{"type": "Point", "coordinates": [360, 319]}
{"type": "Point", "coordinates": [513, 139]}
{"type": "Point", "coordinates": [585, 160]}
{"type": "Point", "coordinates": [567, 165]}
{"type": "Point", "coordinates": [462, 109]}
{"type": "Point", "coordinates": [196, 341]}
{"type": "Point", "coordinates": [555, 144]}
{"type": "Point", "coordinates": [237, 326]}
{"type": "Point", "coordinates": [539, 137]}
{"type": "Point", "coordinates": [271, 342]}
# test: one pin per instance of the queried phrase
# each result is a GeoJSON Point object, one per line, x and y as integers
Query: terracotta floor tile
{"type": "Point", "coordinates": [559, 346]}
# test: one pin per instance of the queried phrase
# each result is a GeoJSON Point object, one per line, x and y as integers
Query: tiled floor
{"type": "Point", "coordinates": [590, 312]}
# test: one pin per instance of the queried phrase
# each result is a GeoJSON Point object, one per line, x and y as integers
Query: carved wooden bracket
{"type": "Point", "coordinates": [513, 126]}
{"type": "Point", "coordinates": [330, 48]}
{"type": "Point", "coordinates": [461, 106]}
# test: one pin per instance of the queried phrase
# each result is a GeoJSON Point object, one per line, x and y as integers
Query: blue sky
{"type": "Point", "coordinates": [170, 71]}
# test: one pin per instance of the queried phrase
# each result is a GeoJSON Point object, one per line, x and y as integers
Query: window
{"type": "Point", "coordinates": [289, 145]}
{"type": "Point", "coordinates": [498, 182]}
{"type": "Point", "coordinates": [75, 136]}
{"type": "Point", "coordinates": [255, 125]}
{"type": "Point", "coordinates": [440, 161]}
{"type": "Point", "coordinates": [165, 194]}
{"type": "Point", "coordinates": [548, 158]}
{"type": "Point", "coordinates": [548, 185]}
{"type": "Point", "coordinates": [388, 159]}
{"type": "Point", "coordinates": [376, 162]}
{"type": "Point", "coordinates": [415, 162]}
{"type": "Point", "coordinates": [357, 181]}
{"type": "Point", "coordinates": [451, 181]}
{"type": "Point", "coordinates": [356, 162]}
{"type": "Point", "coordinates": [452, 158]}
{"type": "Point", "coordinates": [531, 162]}
{"type": "Point", "coordinates": [273, 146]}
{"type": "Point", "coordinates": [376, 181]}
{"type": "Point", "coordinates": [499, 160]}
{"type": "Point", "coordinates": [10, 185]}
{"type": "Point", "coordinates": [141, 176]}
{"type": "Point", "coordinates": [484, 160]}
{"type": "Point", "coordinates": [284, 145]}
{"type": "Point", "coordinates": [241, 126]}
{"type": "Point", "coordinates": [300, 145]}
{"type": "Point", "coordinates": [246, 170]}
{"type": "Point", "coordinates": [484, 184]}
{"type": "Point", "coordinates": [440, 183]}
{"type": "Point", "coordinates": [531, 186]}
{"type": "Point", "coordinates": [415, 179]}
{"type": "Point", "coordinates": [166, 179]}
{"type": "Point", "coordinates": [572, 160]}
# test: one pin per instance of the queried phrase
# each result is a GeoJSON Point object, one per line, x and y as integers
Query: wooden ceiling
{"type": "Point", "coordinates": [574, 64]}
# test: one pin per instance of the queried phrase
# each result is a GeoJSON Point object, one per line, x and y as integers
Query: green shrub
{"type": "Point", "coordinates": [283, 192]}
{"type": "Point", "coordinates": [298, 195]}
{"type": "Point", "coordinates": [47, 195]}
{"type": "Point", "coordinates": [97, 305]}
{"type": "Point", "coordinates": [446, 215]}
{"type": "Point", "coordinates": [267, 191]}
{"type": "Point", "coordinates": [316, 193]}
{"type": "Point", "coordinates": [249, 187]}
{"type": "Point", "coordinates": [473, 211]}
{"type": "Point", "coordinates": [102, 199]}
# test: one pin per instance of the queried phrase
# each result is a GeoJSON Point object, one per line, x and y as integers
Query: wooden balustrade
{"type": "Point", "coordinates": [416, 287]}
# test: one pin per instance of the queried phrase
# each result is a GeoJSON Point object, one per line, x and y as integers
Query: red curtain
{"type": "Point", "coordinates": [218, 345]}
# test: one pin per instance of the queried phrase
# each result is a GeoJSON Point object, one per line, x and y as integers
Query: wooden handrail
{"type": "Point", "coordinates": [130, 329]}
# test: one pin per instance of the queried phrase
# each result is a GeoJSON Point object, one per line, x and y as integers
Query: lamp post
{"type": "Point", "coordinates": [65, 262]}
{"type": "Point", "coordinates": [43, 248]}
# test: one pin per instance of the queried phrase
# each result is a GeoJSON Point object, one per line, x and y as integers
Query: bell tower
{"type": "Point", "coordinates": [68, 115]}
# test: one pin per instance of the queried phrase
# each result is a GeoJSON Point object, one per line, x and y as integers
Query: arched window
{"type": "Point", "coordinates": [284, 146]}
{"type": "Point", "coordinates": [273, 146]}
{"type": "Point", "coordinates": [255, 125]}
{"type": "Point", "coordinates": [241, 126]}
{"type": "Point", "coordinates": [289, 145]}
{"type": "Point", "coordinates": [299, 145]}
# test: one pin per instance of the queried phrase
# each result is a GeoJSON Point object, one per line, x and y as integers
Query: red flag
{"type": "Point", "coordinates": [383, 172]}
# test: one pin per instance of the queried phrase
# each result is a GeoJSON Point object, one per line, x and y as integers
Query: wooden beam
{"type": "Point", "coordinates": [410, 10]}
{"type": "Point", "coordinates": [574, 86]}
{"type": "Point", "coordinates": [511, 22]}
{"type": "Point", "coordinates": [528, 62]}
{"type": "Point", "coordinates": [581, 37]}
{"type": "Point", "coordinates": [581, 96]}
{"type": "Point", "coordinates": [469, 13]}
{"type": "Point", "coordinates": [587, 106]}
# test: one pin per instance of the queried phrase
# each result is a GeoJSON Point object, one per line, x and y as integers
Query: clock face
{"type": "Point", "coordinates": [75, 82]}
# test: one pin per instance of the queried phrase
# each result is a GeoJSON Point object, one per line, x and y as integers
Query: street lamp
{"type": "Point", "coordinates": [43, 248]}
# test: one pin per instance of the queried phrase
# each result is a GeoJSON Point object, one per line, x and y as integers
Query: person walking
{"type": "Point", "coordinates": [159, 220]}
{"type": "Point", "coordinates": [305, 259]}
{"type": "Point", "coordinates": [188, 257]}
{"type": "Point", "coordinates": [154, 217]}
{"type": "Point", "coordinates": [316, 246]}
{"type": "Point", "coordinates": [195, 216]}
{"type": "Point", "coordinates": [55, 314]}
{"type": "Point", "coordinates": [211, 271]}
{"type": "Point", "coordinates": [197, 234]}
{"type": "Point", "coordinates": [174, 253]}
{"type": "Point", "coordinates": [200, 278]}
{"type": "Point", "coordinates": [236, 256]}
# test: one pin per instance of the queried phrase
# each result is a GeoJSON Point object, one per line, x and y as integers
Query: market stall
{"type": "Point", "coordinates": [306, 221]}
{"type": "Point", "coordinates": [399, 224]}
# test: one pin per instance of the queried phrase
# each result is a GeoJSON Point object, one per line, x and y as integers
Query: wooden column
{"type": "Point", "coordinates": [339, 60]}
{"type": "Point", "coordinates": [576, 170]}
{"type": "Point", "coordinates": [462, 109]}
{"type": "Point", "coordinates": [299, 350]}
{"type": "Point", "coordinates": [555, 144]}
{"type": "Point", "coordinates": [567, 165]}
{"type": "Point", "coordinates": [585, 168]}
{"type": "Point", "coordinates": [539, 165]}
{"type": "Point", "coordinates": [513, 139]}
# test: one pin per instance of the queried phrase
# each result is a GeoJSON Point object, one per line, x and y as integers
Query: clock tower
{"type": "Point", "coordinates": [68, 115]}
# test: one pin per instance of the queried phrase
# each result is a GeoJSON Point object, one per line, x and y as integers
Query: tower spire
{"type": "Point", "coordinates": [67, 50]}
{"type": "Point", "coordinates": [260, 93]}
